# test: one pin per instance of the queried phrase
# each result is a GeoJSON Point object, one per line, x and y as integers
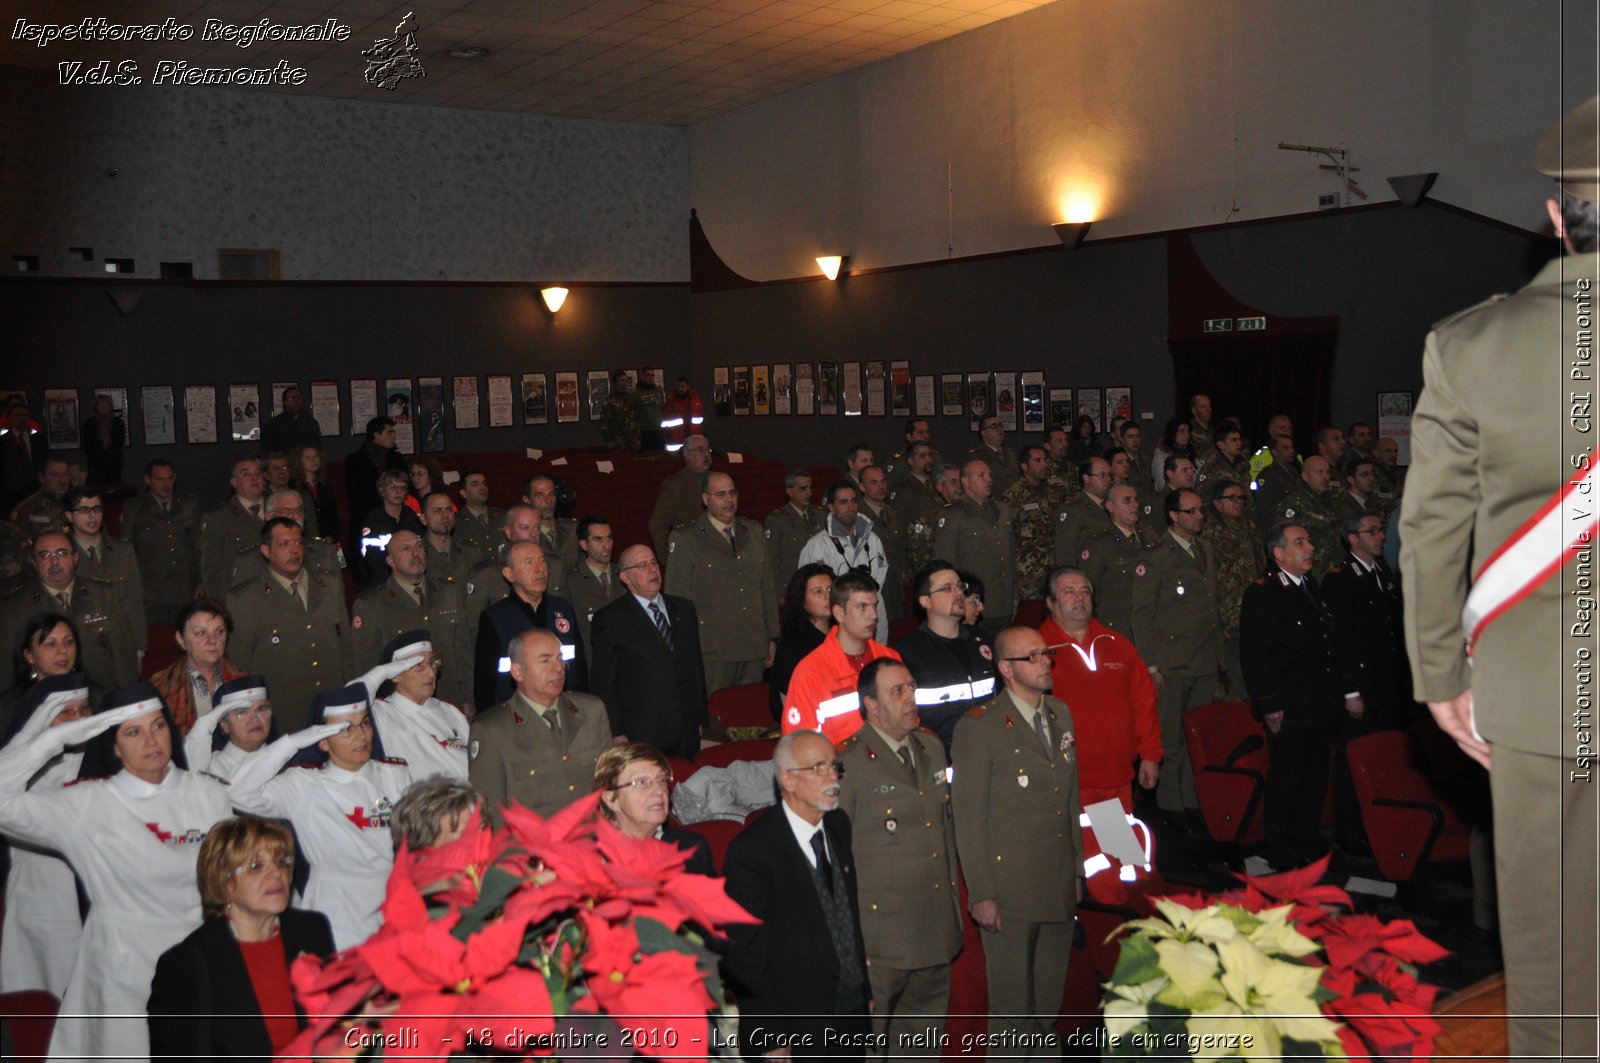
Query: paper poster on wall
{"type": "Point", "coordinates": [397, 405]}
{"type": "Point", "coordinates": [363, 405]}
{"type": "Point", "coordinates": [782, 389]}
{"type": "Point", "coordinates": [900, 389]}
{"type": "Point", "coordinates": [160, 427]}
{"type": "Point", "coordinates": [761, 385]}
{"type": "Point", "coordinates": [464, 402]}
{"type": "Point", "coordinates": [805, 388]}
{"type": "Point", "coordinates": [200, 412]}
{"type": "Point", "coordinates": [61, 428]}
{"type": "Point", "coordinates": [502, 401]}
{"type": "Point", "coordinates": [244, 411]}
{"type": "Point", "coordinates": [1119, 403]}
{"type": "Point", "coordinates": [950, 401]}
{"type": "Point", "coordinates": [535, 399]}
{"type": "Point", "coordinates": [721, 392]}
{"type": "Point", "coordinates": [1394, 421]}
{"type": "Point", "coordinates": [1033, 402]}
{"type": "Point", "coordinates": [430, 414]}
{"type": "Point", "coordinates": [1062, 413]}
{"type": "Point", "coordinates": [325, 405]}
{"type": "Point", "coordinates": [741, 390]}
{"type": "Point", "coordinates": [828, 386]}
{"type": "Point", "coordinates": [979, 399]}
{"type": "Point", "coordinates": [1089, 406]}
{"type": "Point", "coordinates": [566, 398]}
{"type": "Point", "coordinates": [276, 397]}
{"type": "Point", "coordinates": [850, 388]}
{"type": "Point", "coordinates": [1005, 400]}
{"type": "Point", "coordinates": [877, 390]}
{"type": "Point", "coordinates": [926, 388]}
{"type": "Point", "coordinates": [599, 392]}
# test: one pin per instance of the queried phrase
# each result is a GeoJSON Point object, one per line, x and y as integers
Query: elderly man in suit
{"type": "Point", "coordinates": [801, 974]}
{"type": "Point", "coordinates": [647, 666]}
{"type": "Point", "coordinates": [539, 747]}
{"type": "Point", "coordinates": [896, 792]}
{"type": "Point", "coordinates": [1016, 809]}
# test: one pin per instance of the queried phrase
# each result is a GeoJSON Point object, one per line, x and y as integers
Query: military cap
{"type": "Point", "coordinates": [1570, 151]}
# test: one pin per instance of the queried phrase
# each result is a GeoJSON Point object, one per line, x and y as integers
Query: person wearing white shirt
{"type": "Point", "coordinates": [847, 543]}
{"type": "Point", "coordinates": [237, 727]}
{"type": "Point", "coordinates": [428, 734]}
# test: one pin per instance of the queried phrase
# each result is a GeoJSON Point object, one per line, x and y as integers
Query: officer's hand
{"type": "Point", "coordinates": [1274, 721]}
{"type": "Point", "coordinates": [772, 651]}
{"type": "Point", "coordinates": [70, 734]}
{"type": "Point", "coordinates": [312, 735]}
{"type": "Point", "coordinates": [1455, 719]}
{"type": "Point", "coordinates": [987, 915]}
{"type": "Point", "coordinates": [1149, 774]}
{"type": "Point", "coordinates": [1355, 707]}
{"type": "Point", "coordinates": [1160, 682]}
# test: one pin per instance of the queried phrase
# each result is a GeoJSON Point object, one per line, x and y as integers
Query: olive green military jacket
{"type": "Point", "coordinates": [389, 610]}
{"type": "Point", "coordinates": [299, 650]}
{"type": "Point", "coordinates": [980, 540]}
{"type": "Point", "coordinates": [111, 627]}
{"type": "Point", "coordinates": [226, 532]}
{"type": "Point", "coordinates": [732, 590]}
{"type": "Point", "coordinates": [1176, 627]}
{"type": "Point", "coordinates": [167, 542]}
{"type": "Point", "coordinates": [513, 755]}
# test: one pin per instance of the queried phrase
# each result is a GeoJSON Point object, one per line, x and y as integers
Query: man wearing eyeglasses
{"type": "Point", "coordinates": [1178, 632]}
{"type": "Point", "coordinates": [1016, 805]}
{"type": "Point", "coordinates": [1085, 515]}
{"type": "Point", "coordinates": [106, 557]}
{"type": "Point", "coordinates": [953, 664]}
{"type": "Point", "coordinates": [897, 794]}
{"type": "Point", "coordinates": [108, 646]}
{"type": "Point", "coordinates": [1236, 546]}
{"type": "Point", "coordinates": [801, 974]}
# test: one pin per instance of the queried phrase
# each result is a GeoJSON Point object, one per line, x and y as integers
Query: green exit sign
{"type": "Point", "coordinates": [1219, 324]}
{"type": "Point", "coordinates": [1252, 324]}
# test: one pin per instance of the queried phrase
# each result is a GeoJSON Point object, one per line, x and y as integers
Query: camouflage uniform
{"type": "Point", "coordinates": [1215, 467]}
{"type": "Point", "coordinates": [1110, 560]}
{"type": "Point", "coordinates": [1064, 480]}
{"type": "Point", "coordinates": [1275, 483]}
{"type": "Point", "coordinates": [1240, 558]}
{"type": "Point", "coordinates": [1034, 512]}
{"type": "Point", "coordinates": [14, 560]}
{"type": "Point", "coordinates": [1386, 493]}
{"type": "Point", "coordinates": [39, 513]}
{"type": "Point", "coordinates": [1318, 515]}
{"type": "Point", "coordinates": [619, 424]}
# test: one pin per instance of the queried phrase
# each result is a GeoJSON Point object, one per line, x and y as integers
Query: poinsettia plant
{"type": "Point", "coordinates": [543, 938]}
{"type": "Point", "coordinates": [1278, 967]}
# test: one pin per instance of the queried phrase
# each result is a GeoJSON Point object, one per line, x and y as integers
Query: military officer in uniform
{"type": "Point", "coordinates": [1390, 477]}
{"type": "Point", "coordinates": [528, 605]}
{"type": "Point", "coordinates": [450, 560]}
{"type": "Point", "coordinates": [478, 524]}
{"type": "Point", "coordinates": [592, 584]}
{"type": "Point", "coordinates": [409, 599]}
{"type": "Point", "coordinates": [43, 510]}
{"type": "Point", "coordinates": [1291, 674]}
{"type": "Point", "coordinates": [993, 452]}
{"type": "Point", "coordinates": [1062, 475]}
{"type": "Point", "coordinates": [791, 525]}
{"type": "Point", "coordinates": [891, 533]}
{"type": "Point", "coordinates": [1178, 633]}
{"type": "Point", "coordinates": [1201, 436]}
{"type": "Point", "coordinates": [321, 555]}
{"type": "Point", "coordinates": [1236, 546]}
{"type": "Point", "coordinates": [976, 535]}
{"type": "Point", "coordinates": [1111, 555]}
{"type": "Point", "coordinates": [913, 477]}
{"type": "Point", "coordinates": [678, 503]}
{"type": "Point", "coordinates": [1276, 481]}
{"type": "Point", "coordinates": [104, 556]}
{"type": "Point", "coordinates": [540, 745]}
{"type": "Point", "coordinates": [1016, 809]}
{"type": "Point", "coordinates": [916, 431]}
{"type": "Point", "coordinates": [486, 582]}
{"type": "Point", "coordinates": [1358, 496]}
{"type": "Point", "coordinates": [559, 535]}
{"type": "Point", "coordinates": [290, 626]}
{"type": "Point", "coordinates": [896, 791]}
{"type": "Point", "coordinates": [1312, 506]}
{"type": "Point", "coordinates": [110, 625]}
{"type": "Point", "coordinates": [918, 506]}
{"type": "Point", "coordinates": [1496, 434]}
{"type": "Point", "coordinates": [1086, 515]}
{"type": "Point", "coordinates": [1033, 503]}
{"type": "Point", "coordinates": [164, 528]}
{"type": "Point", "coordinates": [234, 528]}
{"type": "Point", "coordinates": [720, 563]}
{"type": "Point", "coordinates": [1226, 461]}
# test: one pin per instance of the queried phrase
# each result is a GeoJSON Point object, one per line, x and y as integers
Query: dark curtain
{"type": "Point", "coordinates": [1254, 376]}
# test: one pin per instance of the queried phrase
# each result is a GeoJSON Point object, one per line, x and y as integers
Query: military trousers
{"type": "Point", "coordinates": [1545, 853]}
{"type": "Point", "coordinates": [1026, 967]}
{"type": "Point", "coordinates": [907, 1003]}
{"type": "Point", "coordinates": [1297, 782]}
{"type": "Point", "coordinates": [1183, 691]}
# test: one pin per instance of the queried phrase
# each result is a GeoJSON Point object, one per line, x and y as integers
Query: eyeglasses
{"type": "Point", "coordinates": [53, 555]}
{"type": "Point", "coordinates": [652, 563]}
{"type": "Point", "coordinates": [88, 509]}
{"type": "Point", "coordinates": [955, 588]}
{"type": "Point", "coordinates": [646, 783]}
{"type": "Point", "coordinates": [1192, 509]}
{"type": "Point", "coordinates": [823, 768]}
{"type": "Point", "coordinates": [1230, 498]}
{"type": "Point", "coordinates": [1035, 657]}
{"type": "Point", "coordinates": [256, 867]}
{"type": "Point", "coordinates": [263, 709]}
{"type": "Point", "coordinates": [1098, 476]}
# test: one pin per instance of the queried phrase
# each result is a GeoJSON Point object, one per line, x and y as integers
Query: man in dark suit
{"type": "Point", "coordinates": [1292, 676]}
{"type": "Point", "coordinates": [647, 666]}
{"type": "Point", "coordinates": [801, 975]}
{"type": "Point", "coordinates": [22, 453]}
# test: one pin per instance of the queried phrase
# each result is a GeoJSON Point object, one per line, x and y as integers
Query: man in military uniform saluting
{"type": "Point", "coordinates": [289, 625]}
{"type": "Point", "coordinates": [164, 528]}
{"type": "Point", "coordinates": [976, 536]}
{"type": "Point", "coordinates": [1497, 431]}
{"type": "Point", "coordinates": [110, 626]}
{"type": "Point", "coordinates": [234, 528]}
{"type": "Point", "coordinates": [1016, 807]}
{"type": "Point", "coordinates": [411, 599]}
{"type": "Point", "coordinates": [896, 791]}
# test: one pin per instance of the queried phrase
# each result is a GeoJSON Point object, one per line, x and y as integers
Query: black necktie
{"type": "Point", "coordinates": [824, 868]}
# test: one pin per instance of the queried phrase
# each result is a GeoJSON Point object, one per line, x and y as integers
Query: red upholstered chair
{"type": "Point", "coordinates": [742, 706]}
{"type": "Point", "coordinates": [1408, 821]}
{"type": "Point", "coordinates": [1228, 748]}
{"type": "Point", "coordinates": [718, 833]}
{"type": "Point", "coordinates": [722, 755]}
{"type": "Point", "coordinates": [30, 1014]}
{"type": "Point", "coordinates": [682, 768]}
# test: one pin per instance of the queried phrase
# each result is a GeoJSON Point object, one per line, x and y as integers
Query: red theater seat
{"type": "Point", "coordinates": [1228, 749]}
{"type": "Point", "coordinates": [1409, 822]}
{"type": "Point", "coordinates": [742, 706]}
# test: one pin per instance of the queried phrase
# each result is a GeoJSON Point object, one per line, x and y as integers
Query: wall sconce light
{"type": "Point", "coordinates": [1410, 188]}
{"type": "Point", "coordinates": [553, 298]}
{"type": "Point", "coordinates": [1072, 233]}
{"type": "Point", "coordinates": [831, 264]}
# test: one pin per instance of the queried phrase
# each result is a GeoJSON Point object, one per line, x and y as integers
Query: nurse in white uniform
{"type": "Point", "coordinates": [428, 734]}
{"type": "Point", "coordinates": [340, 805]}
{"type": "Point", "coordinates": [241, 715]}
{"type": "Point", "coordinates": [130, 826]}
{"type": "Point", "coordinates": [39, 942]}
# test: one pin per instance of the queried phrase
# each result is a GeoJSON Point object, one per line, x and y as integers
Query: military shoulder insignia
{"type": "Point", "coordinates": [978, 713]}
{"type": "Point", "coordinates": [1062, 517]}
{"type": "Point", "coordinates": [398, 762]}
{"type": "Point", "coordinates": [1085, 555]}
{"type": "Point", "coordinates": [355, 621]}
{"type": "Point", "coordinates": [769, 533]}
{"type": "Point", "coordinates": [1138, 570]}
{"type": "Point", "coordinates": [472, 750]}
{"type": "Point", "coordinates": [1288, 513]}
{"type": "Point", "coordinates": [942, 520]}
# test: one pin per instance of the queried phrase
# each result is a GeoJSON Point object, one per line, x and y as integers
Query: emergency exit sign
{"type": "Point", "coordinates": [1252, 324]}
{"type": "Point", "coordinates": [1219, 324]}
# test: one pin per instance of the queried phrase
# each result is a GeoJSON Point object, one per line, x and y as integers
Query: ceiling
{"type": "Point", "coordinates": [665, 61]}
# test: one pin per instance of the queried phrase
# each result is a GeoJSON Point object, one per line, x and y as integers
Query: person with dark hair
{"type": "Point", "coordinates": [847, 543]}
{"type": "Point", "coordinates": [189, 684]}
{"type": "Point", "coordinates": [1357, 495]}
{"type": "Point", "coordinates": [558, 535]}
{"type": "Point", "coordinates": [822, 693]}
{"type": "Point", "coordinates": [1175, 441]}
{"type": "Point", "coordinates": [1225, 460]}
{"type": "Point", "coordinates": [46, 647]}
{"type": "Point", "coordinates": [976, 534]}
{"type": "Point", "coordinates": [411, 599]}
{"type": "Point", "coordinates": [224, 991]}
{"type": "Point", "coordinates": [1082, 443]}
{"type": "Point", "coordinates": [130, 828]}
{"type": "Point", "coordinates": [22, 454]}
{"type": "Point", "coordinates": [635, 784]}
{"type": "Point", "coordinates": [309, 475]}
{"type": "Point", "coordinates": [340, 809]}
{"type": "Point", "coordinates": [105, 556]}
{"type": "Point", "coordinates": [1110, 557]}
{"type": "Point", "coordinates": [42, 510]}
{"type": "Point", "coordinates": [361, 468]}
{"type": "Point", "coordinates": [108, 648]}
{"type": "Point", "coordinates": [1202, 435]}
{"type": "Point", "coordinates": [807, 616]}
{"type": "Point", "coordinates": [682, 414]}
{"type": "Point", "coordinates": [952, 663]}
{"type": "Point", "coordinates": [1236, 545]}
{"type": "Point", "coordinates": [392, 514]}
{"type": "Point", "coordinates": [164, 528]}
{"type": "Point", "coordinates": [791, 525]}
{"type": "Point", "coordinates": [592, 583]}
{"type": "Point", "coordinates": [104, 437]}
{"type": "Point", "coordinates": [477, 522]}
{"type": "Point", "coordinates": [1035, 505]}
{"type": "Point", "coordinates": [292, 427]}
{"type": "Point", "coordinates": [678, 502]}
{"type": "Point", "coordinates": [233, 528]}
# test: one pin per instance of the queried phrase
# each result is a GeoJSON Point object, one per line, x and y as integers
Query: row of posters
{"type": "Point", "coordinates": [877, 389]}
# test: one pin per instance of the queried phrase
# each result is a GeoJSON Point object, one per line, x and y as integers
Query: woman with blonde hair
{"type": "Point", "coordinates": [635, 784]}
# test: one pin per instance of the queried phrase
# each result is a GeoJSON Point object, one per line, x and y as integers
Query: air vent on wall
{"type": "Point", "coordinates": [248, 264]}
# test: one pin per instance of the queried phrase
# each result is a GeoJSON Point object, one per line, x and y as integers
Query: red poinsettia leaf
{"type": "Point", "coordinates": [417, 961]}
{"type": "Point", "coordinates": [494, 948]}
{"type": "Point", "coordinates": [1354, 1047]}
{"type": "Point", "coordinates": [1340, 981]}
{"type": "Point", "coordinates": [517, 1000]}
{"type": "Point", "coordinates": [404, 907]}
{"type": "Point", "coordinates": [608, 951]}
